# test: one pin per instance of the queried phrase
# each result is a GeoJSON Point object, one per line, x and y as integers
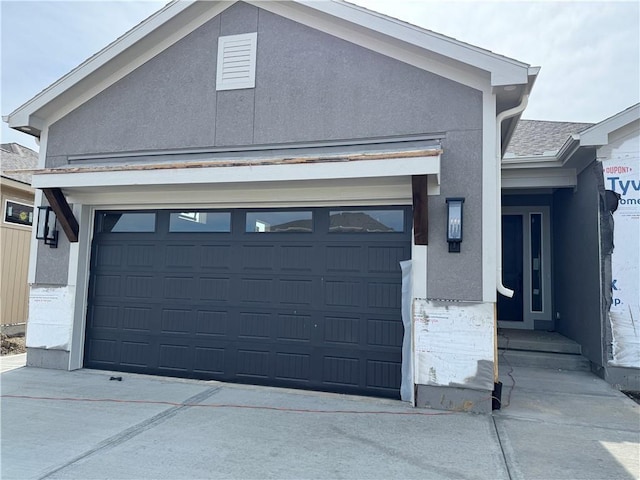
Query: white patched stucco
{"type": "Point", "coordinates": [50, 317]}
{"type": "Point", "coordinates": [454, 344]}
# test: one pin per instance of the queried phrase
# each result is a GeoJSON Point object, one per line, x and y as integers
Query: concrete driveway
{"type": "Point", "coordinates": [83, 425]}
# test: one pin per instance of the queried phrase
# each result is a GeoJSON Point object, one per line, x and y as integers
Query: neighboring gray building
{"type": "Point", "coordinates": [169, 156]}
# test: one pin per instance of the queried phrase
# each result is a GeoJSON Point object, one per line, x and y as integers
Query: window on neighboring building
{"type": "Point", "coordinates": [18, 213]}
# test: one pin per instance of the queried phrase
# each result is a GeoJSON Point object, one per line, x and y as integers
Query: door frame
{"type": "Point", "coordinates": [529, 315]}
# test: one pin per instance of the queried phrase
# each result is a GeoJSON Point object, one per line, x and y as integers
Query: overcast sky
{"type": "Point", "coordinates": [589, 51]}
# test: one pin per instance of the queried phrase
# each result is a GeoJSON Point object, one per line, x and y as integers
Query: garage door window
{"type": "Point", "coordinates": [366, 221]}
{"type": "Point", "coordinates": [280, 222]}
{"type": "Point", "coordinates": [127, 222]}
{"type": "Point", "coordinates": [200, 221]}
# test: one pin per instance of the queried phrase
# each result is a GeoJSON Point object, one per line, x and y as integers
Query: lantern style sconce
{"type": "Point", "coordinates": [46, 228]}
{"type": "Point", "coordinates": [454, 223]}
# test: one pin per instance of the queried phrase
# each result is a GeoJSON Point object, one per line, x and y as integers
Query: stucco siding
{"type": "Point", "coordinates": [309, 86]}
{"type": "Point", "coordinates": [457, 276]}
{"type": "Point", "coordinates": [577, 263]}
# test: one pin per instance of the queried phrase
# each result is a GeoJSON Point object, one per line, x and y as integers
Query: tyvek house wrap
{"type": "Point", "coordinates": [621, 170]}
{"type": "Point", "coordinates": [406, 385]}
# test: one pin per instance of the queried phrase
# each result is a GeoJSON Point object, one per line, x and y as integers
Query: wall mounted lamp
{"type": "Point", "coordinates": [46, 228]}
{"type": "Point", "coordinates": [454, 223]}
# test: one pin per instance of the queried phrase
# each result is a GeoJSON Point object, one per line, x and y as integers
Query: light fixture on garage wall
{"type": "Point", "coordinates": [454, 223]}
{"type": "Point", "coordinates": [46, 228]}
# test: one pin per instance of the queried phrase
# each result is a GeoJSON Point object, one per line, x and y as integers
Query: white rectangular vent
{"type": "Point", "coordinates": [236, 61]}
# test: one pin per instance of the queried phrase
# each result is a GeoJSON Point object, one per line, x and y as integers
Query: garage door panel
{"type": "Point", "coordinates": [293, 327]}
{"type": "Point", "coordinates": [258, 257]}
{"type": "Point", "coordinates": [102, 351]}
{"type": "Point", "coordinates": [109, 255]}
{"type": "Point", "coordinates": [384, 295]}
{"type": "Point", "coordinates": [340, 370]}
{"type": "Point", "coordinates": [296, 258]}
{"type": "Point", "coordinates": [384, 333]}
{"type": "Point", "coordinates": [177, 322]}
{"type": "Point", "coordinates": [181, 256]}
{"type": "Point", "coordinates": [348, 259]}
{"type": "Point", "coordinates": [179, 287]}
{"type": "Point", "coordinates": [142, 256]}
{"type": "Point", "coordinates": [385, 258]}
{"type": "Point", "coordinates": [383, 374]}
{"type": "Point", "coordinates": [343, 292]}
{"type": "Point", "coordinates": [254, 290]}
{"type": "Point", "coordinates": [215, 289]}
{"type": "Point", "coordinates": [141, 287]}
{"type": "Point", "coordinates": [176, 358]}
{"type": "Point", "coordinates": [209, 360]}
{"type": "Point", "coordinates": [135, 354]}
{"type": "Point", "coordinates": [252, 363]}
{"type": "Point", "coordinates": [105, 316]}
{"type": "Point", "coordinates": [293, 367]}
{"type": "Point", "coordinates": [342, 330]}
{"type": "Point", "coordinates": [212, 323]}
{"type": "Point", "coordinates": [255, 325]}
{"type": "Point", "coordinates": [215, 257]}
{"type": "Point", "coordinates": [107, 285]}
{"type": "Point", "coordinates": [306, 310]}
{"type": "Point", "coordinates": [295, 291]}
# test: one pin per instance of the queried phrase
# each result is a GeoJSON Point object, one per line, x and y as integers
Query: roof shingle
{"type": "Point", "coordinates": [14, 156]}
{"type": "Point", "coordinates": [539, 137]}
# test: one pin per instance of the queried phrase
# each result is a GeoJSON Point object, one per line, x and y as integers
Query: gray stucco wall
{"type": "Point", "coordinates": [577, 263]}
{"type": "Point", "coordinates": [52, 267]}
{"type": "Point", "coordinates": [457, 276]}
{"type": "Point", "coordinates": [310, 87]}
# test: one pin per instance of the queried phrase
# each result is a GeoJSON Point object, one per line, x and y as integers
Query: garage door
{"type": "Point", "coordinates": [303, 298]}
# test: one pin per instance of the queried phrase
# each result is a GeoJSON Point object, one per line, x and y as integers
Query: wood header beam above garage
{"type": "Point", "coordinates": [63, 212]}
{"type": "Point", "coordinates": [420, 210]}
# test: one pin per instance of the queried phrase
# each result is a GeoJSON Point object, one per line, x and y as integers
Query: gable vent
{"type": "Point", "coordinates": [236, 61]}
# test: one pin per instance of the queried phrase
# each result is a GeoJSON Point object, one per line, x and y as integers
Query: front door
{"type": "Point", "coordinates": [526, 267]}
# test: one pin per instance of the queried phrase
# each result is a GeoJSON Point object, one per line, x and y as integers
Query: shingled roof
{"type": "Point", "coordinates": [539, 137]}
{"type": "Point", "coordinates": [14, 156]}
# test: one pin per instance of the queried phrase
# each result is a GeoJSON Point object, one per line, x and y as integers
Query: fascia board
{"type": "Point", "coordinates": [379, 43]}
{"type": "Point", "coordinates": [379, 191]}
{"type": "Point", "coordinates": [537, 161]}
{"type": "Point", "coordinates": [540, 178]}
{"type": "Point", "coordinates": [598, 135]}
{"type": "Point", "coordinates": [15, 184]}
{"type": "Point", "coordinates": [24, 114]}
{"type": "Point", "coordinates": [503, 70]}
{"type": "Point", "coordinates": [238, 174]}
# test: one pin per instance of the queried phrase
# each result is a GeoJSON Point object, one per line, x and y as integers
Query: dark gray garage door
{"type": "Point", "coordinates": [304, 298]}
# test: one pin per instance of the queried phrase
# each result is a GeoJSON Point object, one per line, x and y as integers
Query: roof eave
{"type": "Point", "coordinates": [503, 70]}
{"type": "Point", "coordinates": [25, 119]}
{"type": "Point", "coordinates": [598, 134]}
{"type": "Point", "coordinates": [90, 76]}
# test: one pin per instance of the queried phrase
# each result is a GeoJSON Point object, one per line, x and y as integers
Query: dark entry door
{"type": "Point", "coordinates": [304, 298]}
{"type": "Point", "coordinates": [511, 309]}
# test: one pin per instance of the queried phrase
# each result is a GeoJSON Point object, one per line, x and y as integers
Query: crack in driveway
{"type": "Point", "coordinates": [135, 430]}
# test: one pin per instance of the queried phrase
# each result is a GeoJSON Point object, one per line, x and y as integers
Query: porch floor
{"type": "Point", "coordinates": [536, 341]}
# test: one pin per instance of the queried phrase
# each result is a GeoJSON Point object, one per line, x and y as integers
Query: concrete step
{"type": "Point", "coordinates": [556, 361]}
{"type": "Point", "coordinates": [536, 341]}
